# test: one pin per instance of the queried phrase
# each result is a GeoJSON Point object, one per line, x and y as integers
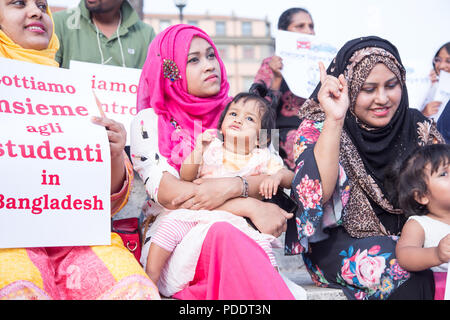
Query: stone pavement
{"type": "Point", "coordinates": [291, 266]}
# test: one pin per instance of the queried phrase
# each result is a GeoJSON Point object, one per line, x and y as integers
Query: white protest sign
{"type": "Point", "coordinates": [301, 54]}
{"type": "Point", "coordinates": [442, 92]}
{"type": "Point", "coordinates": [55, 163]}
{"type": "Point", "coordinates": [115, 88]}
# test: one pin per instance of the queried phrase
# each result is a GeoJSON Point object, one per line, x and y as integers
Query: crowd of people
{"type": "Point", "coordinates": [369, 175]}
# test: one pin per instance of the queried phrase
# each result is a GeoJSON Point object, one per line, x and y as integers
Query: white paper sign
{"type": "Point", "coordinates": [115, 88]}
{"type": "Point", "coordinates": [55, 163]}
{"type": "Point", "coordinates": [442, 92]}
{"type": "Point", "coordinates": [301, 54]}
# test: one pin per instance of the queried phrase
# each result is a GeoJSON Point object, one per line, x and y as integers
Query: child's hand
{"type": "Point", "coordinates": [205, 138]}
{"type": "Point", "coordinates": [269, 186]}
{"type": "Point", "coordinates": [444, 249]}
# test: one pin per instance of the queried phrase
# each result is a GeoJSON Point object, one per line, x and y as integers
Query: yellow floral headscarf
{"type": "Point", "coordinates": [9, 49]}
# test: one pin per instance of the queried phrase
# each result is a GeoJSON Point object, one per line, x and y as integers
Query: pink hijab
{"type": "Point", "coordinates": [175, 107]}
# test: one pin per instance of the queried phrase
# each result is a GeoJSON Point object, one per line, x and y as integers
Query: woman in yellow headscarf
{"type": "Point", "coordinates": [26, 32]}
{"type": "Point", "coordinates": [99, 272]}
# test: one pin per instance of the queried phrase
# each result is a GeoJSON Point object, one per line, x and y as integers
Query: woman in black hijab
{"type": "Point", "coordinates": [356, 123]}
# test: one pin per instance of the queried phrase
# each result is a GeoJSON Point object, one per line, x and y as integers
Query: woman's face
{"type": "Point", "coordinates": [379, 97]}
{"type": "Point", "coordinates": [26, 22]}
{"type": "Point", "coordinates": [442, 61]}
{"type": "Point", "coordinates": [203, 74]}
{"type": "Point", "coordinates": [301, 22]}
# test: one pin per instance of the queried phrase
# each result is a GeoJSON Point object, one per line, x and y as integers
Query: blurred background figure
{"type": "Point", "coordinates": [294, 20]}
{"type": "Point", "coordinates": [441, 62]}
{"type": "Point", "coordinates": [110, 28]}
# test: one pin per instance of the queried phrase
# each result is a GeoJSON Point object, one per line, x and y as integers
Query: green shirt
{"type": "Point", "coordinates": [80, 40]}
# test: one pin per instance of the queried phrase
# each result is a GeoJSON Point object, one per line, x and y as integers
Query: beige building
{"type": "Point", "coordinates": [242, 42]}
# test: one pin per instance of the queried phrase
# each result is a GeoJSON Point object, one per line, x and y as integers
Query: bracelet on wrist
{"type": "Point", "coordinates": [244, 193]}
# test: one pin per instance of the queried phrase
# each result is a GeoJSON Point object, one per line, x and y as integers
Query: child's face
{"type": "Point", "coordinates": [438, 194]}
{"type": "Point", "coordinates": [203, 74]}
{"type": "Point", "coordinates": [26, 23]}
{"type": "Point", "coordinates": [241, 125]}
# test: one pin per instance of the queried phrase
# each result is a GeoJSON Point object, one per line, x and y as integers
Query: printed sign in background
{"type": "Point", "coordinates": [301, 54]}
{"type": "Point", "coordinates": [54, 162]}
{"type": "Point", "coordinates": [115, 88]}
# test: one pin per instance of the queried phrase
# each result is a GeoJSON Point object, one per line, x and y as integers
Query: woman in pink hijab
{"type": "Point", "coordinates": [182, 92]}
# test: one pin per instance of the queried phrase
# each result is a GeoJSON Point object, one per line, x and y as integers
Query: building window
{"type": "Point", "coordinates": [193, 23]}
{"type": "Point", "coordinates": [248, 52]}
{"type": "Point", "coordinates": [246, 28]}
{"type": "Point", "coordinates": [163, 24]}
{"type": "Point", "coordinates": [223, 51]}
{"type": "Point", "coordinates": [220, 28]}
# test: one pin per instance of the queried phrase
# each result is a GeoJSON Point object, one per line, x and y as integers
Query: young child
{"type": "Point", "coordinates": [242, 153]}
{"type": "Point", "coordinates": [423, 188]}
{"type": "Point", "coordinates": [246, 125]}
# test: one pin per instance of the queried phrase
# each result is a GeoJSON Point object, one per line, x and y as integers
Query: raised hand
{"type": "Point", "coordinates": [431, 108]}
{"type": "Point", "coordinates": [333, 95]}
{"type": "Point", "coordinates": [205, 138]}
{"type": "Point", "coordinates": [433, 76]}
{"type": "Point", "coordinates": [276, 64]}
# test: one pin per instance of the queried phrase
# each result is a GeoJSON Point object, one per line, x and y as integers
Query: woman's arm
{"type": "Point", "coordinates": [121, 168]}
{"type": "Point", "coordinates": [267, 217]}
{"type": "Point", "coordinates": [410, 252]}
{"type": "Point", "coordinates": [286, 177]}
{"type": "Point", "coordinates": [333, 97]}
{"type": "Point", "coordinates": [210, 193]}
{"type": "Point", "coordinates": [117, 137]}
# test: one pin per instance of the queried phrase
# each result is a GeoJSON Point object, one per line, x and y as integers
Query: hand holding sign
{"type": "Point", "coordinates": [442, 93]}
{"type": "Point", "coordinates": [333, 95]}
{"type": "Point", "coordinates": [431, 108]}
{"type": "Point", "coordinates": [276, 64]}
{"type": "Point", "coordinates": [117, 137]}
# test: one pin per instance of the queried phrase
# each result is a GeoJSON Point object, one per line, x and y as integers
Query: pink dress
{"type": "Point", "coordinates": [226, 263]}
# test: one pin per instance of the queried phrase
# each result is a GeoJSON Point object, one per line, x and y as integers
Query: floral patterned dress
{"type": "Point", "coordinates": [364, 268]}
